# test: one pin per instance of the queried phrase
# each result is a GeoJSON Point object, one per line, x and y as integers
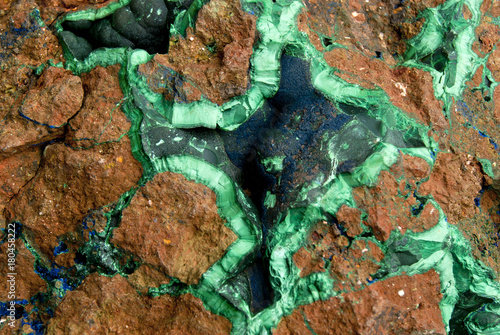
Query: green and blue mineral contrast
{"type": "Point", "coordinates": [300, 146]}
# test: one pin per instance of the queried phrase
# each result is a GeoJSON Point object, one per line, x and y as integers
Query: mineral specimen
{"type": "Point", "coordinates": [250, 167]}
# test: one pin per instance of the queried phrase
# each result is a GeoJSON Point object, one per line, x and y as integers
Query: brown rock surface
{"type": "Point", "coordinates": [15, 172]}
{"type": "Point", "coordinates": [68, 184]}
{"type": "Point", "coordinates": [308, 262]}
{"type": "Point", "coordinates": [18, 134]}
{"type": "Point", "coordinates": [390, 203]}
{"type": "Point", "coordinates": [101, 119]}
{"type": "Point", "coordinates": [493, 64]}
{"type": "Point", "coordinates": [57, 96]}
{"type": "Point", "coordinates": [145, 277]}
{"type": "Point", "coordinates": [215, 57]}
{"type": "Point", "coordinates": [350, 263]}
{"type": "Point", "coordinates": [350, 219]}
{"type": "Point", "coordinates": [103, 305]}
{"type": "Point", "coordinates": [409, 89]}
{"type": "Point", "coordinates": [454, 182]}
{"type": "Point", "coordinates": [399, 305]}
{"type": "Point", "coordinates": [488, 35]}
{"type": "Point", "coordinates": [27, 282]}
{"type": "Point", "coordinates": [382, 26]}
{"type": "Point", "coordinates": [21, 54]}
{"type": "Point", "coordinates": [173, 224]}
{"type": "Point", "coordinates": [174, 88]}
{"type": "Point", "coordinates": [354, 266]}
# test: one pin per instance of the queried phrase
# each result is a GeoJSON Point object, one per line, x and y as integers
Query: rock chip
{"type": "Point", "coordinates": [27, 282]}
{"type": "Point", "coordinates": [215, 57]}
{"type": "Point", "coordinates": [399, 305]}
{"type": "Point", "coordinates": [393, 204]}
{"type": "Point", "coordinates": [409, 89]}
{"type": "Point", "coordinates": [70, 183]}
{"type": "Point", "coordinates": [164, 80]}
{"type": "Point", "coordinates": [455, 181]}
{"type": "Point", "coordinates": [145, 277]}
{"type": "Point", "coordinates": [101, 119]}
{"type": "Point", "coordinates": [15, 172]}
{"type": "Point", "coordinates": [350, 219]}
{"type": "Point", "coordinates": [18, 134]}
{"type": "Point", "coordinates": [308, 263]}
{"type": "Point", "coordinates": [488, 35]}
{"type": "Point", "coordinates": [173, 224]}
{"type": "Point", "coordinates": [103, 305]}
{"type": "Point", "coordinates": [57, 96]}
{"type": "Point", "coordinates": [350, 263]}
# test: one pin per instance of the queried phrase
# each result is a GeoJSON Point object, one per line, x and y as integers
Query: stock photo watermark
{"type": "Point", "coordinates": [11, 274]}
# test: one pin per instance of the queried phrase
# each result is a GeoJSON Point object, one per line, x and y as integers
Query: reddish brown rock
{"type": "Point", "coordinates": [454, 182]}
{"type": "Point", "coordinates": [383, 26]}
{"type": "Point", "coordinates": [350, 219]}
{"type": "Point", "coordinates": [351, 264]}
{"type": "Point", "coordinates": [18, 134]}
{"type": "Point", "coordinates": [493, 64]}
{"type": "Point", "coordinates": [307, 262]}
{"type": "Point", "coordinates": [27, 282]}
{"type": "Point", "coordinates": [15, 172]}
{"type": "Point", "coordinates": [477, 79]}
{"type": "Point", "coordinates": [14, 83]}
{"type": "Point", "coordinates": [173, 224]}
{"type": "Point", "coordinates": [389, 203]}
{"type": "Point", "coordinates": [8, 330]}
{"type": "Point", "coordinates": [52, 9]}
{"type": "Point", "coordinates": [17, 76]}
{"type": "Point", "coordinates": [146, 277]}
{"type": "Point", "coordinates": [103, 305]}
{"type": "Point", "coordinates": [415, 169]}
{"type": "Point", "coordinates": [473, 128]}
{"type": "Point", "coordinates": [174, 88]}
{"type": "Point", "coordinates": [101, 119]}
{"type": "Point", "coordinates": [69, 184]}
{"type": "Point", "coordinates": [215, 57]}
{"type": "Point", "coordinates": [488, 35]}
{"type": "Point", "coordinates": [409, 89]}
{"type": "Point", "coordinates": [495, 9]}
{"type": "Point", "coordinates": [496, 99]}
{"type": "Point", "coordinates": [57, 96]}
{"type": "Point", "coordinates": [485, 6]}
{"type": "Point", "coordinates": [355, 265]}
{"type": "Point", "coordinates": [30, 47]}
{"type": "Point", "coordinates": [399, 305]}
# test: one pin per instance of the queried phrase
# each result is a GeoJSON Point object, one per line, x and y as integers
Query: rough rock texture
{"type": "Point", "coordinates": [25, 46]}
{"type": "Point", "coordinates": [18, 134]}
{"type": "Point", "coordinates": [164, 80]}
{"type": "Point", "coordinates": [65, 168]}
{"type": "Point", "coordinates": [173, 224]}
{"type": "Point", "coordinates": [349, 263]}
{"type": "Point", "coordinates": [56, 97]}
{"type": "Point", "coordinates": [407, 88]}
{"type": "Point", "coordinates": [146, 277]}
{"type": "Point", "coordinates": [381, 26]}
{"type": "Point", "coordinates": [393, 202]}
{"type": "Point", "coordinates": [400, 305]}
{"type": "Point", "coordinates": [103, 305]}
{"type": "Point", "coordinates": [214, 58]}
{"type": "Point", "coordinates": [454, 182]}
{"type": "Point", "coordinates": [350, 219]}
{"type": "Point", "coordinates": [71, 182]}
{"type": "Point", "coordinates": [15, 172]}
{"type": "Point", "coordinates": [27, 282]}
{"type": "Point", "coordinates": [101, 119]}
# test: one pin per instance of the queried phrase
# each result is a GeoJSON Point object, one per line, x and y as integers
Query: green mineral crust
{"type": "Point", "coordinates": [320, 140]}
